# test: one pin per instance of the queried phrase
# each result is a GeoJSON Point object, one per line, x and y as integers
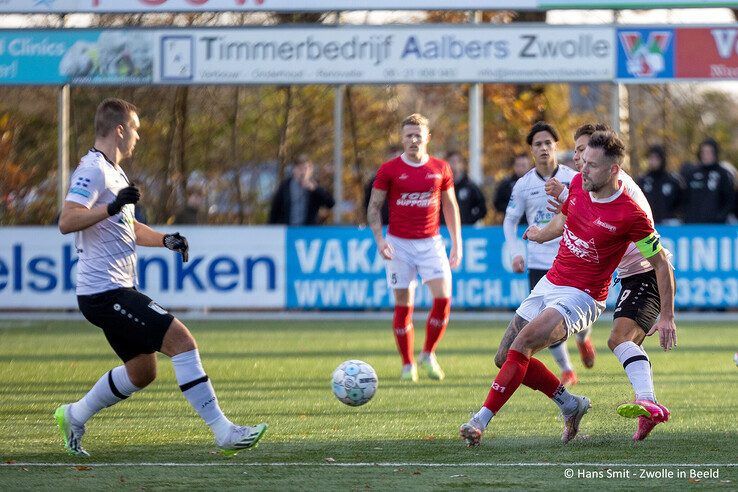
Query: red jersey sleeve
{"type": "Point", "coordinates": [448, 177]}
{"type": "Point", "coordinates": [382, 179]}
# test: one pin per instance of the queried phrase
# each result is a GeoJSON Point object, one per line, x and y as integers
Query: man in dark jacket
{"type": "Point", "coordinates": [299, 198]}
{"type": "Point", "coordinates": [664, 190]}
{"type": "Point", "coordinates": [472, 205]}
{"type": "Point", "coordinates": [521, 165]}
{"type": "Point", "coordinates": [710, 194]}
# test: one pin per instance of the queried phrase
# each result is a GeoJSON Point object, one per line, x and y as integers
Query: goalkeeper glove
{"type": "Point", "coordinates": [177, 242]}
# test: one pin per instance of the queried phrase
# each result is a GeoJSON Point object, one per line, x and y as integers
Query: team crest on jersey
{"type": "Point", "coordinates": [580, 248]}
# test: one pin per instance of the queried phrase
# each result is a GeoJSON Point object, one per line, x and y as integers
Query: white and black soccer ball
{"type": "Point", "coordinates": [354, 382]}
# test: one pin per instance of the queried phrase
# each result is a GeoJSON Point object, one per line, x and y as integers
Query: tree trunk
{"type": "Point", "coordinates": [282, 150]}
{"type": "Point", "coordinates": [176, 167]}
{"type": "Point", "coordinates": [235, 154]}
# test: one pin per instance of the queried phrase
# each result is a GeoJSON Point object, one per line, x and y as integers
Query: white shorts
{"type": "Point", "coordinates": [578, 308]}
{"type": "Point", "coordinates": [426, 257]}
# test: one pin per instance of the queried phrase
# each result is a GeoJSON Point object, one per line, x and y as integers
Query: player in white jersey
{"type": "Point", "coordinates": [637, 307]}
{"type": "Point", "coordinates": [99, 209]}
{"type": "Point", "coordinates": [529, 198]}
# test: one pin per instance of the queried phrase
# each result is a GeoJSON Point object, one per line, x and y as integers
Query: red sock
{"type": "Point", "coordinates": [437, 322]}
{"type": "Point", "coordinates": [402, 325]}
{"type": "Point", "coordinates": [507, 381]}
{"type": "Point", "coordinates": [540, 378]}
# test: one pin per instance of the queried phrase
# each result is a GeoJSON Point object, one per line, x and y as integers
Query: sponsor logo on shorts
{"type": "Point", "coordinates": [157, 308]}
{"type": "Point", "coordinates": [566, 309]}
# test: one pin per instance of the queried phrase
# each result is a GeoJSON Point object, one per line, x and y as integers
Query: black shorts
{"type": "Point", "coordinates": [131, 321]}
{"type": "Point", "coordinates": [534, 276]}
{"type": "Point", "coordinates": [639, 300]}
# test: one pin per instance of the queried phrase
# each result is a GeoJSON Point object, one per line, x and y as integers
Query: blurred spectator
{"type": "Point", "coordinates": [710, 194]}
{"type": "Point", "coordinates": [392, 152]}
{"type": "Point", "coordinates": [521, 165]}
{"type": "Point", "coordinates": [663, 189]}
{"type": "Point", "coordinates": [472, 206]}
{"type": "Point", "coordinates": [299, 198]}
{"type": "Point", "coordinates": [566, 158]}
{"type": "Point", "coordinates": [192, 211]}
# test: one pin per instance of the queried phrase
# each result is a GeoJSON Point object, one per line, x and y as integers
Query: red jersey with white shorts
{"type": "Point", "coordinates": [596, 234]}
{"type": "Point", "coordinates": [414, 195]}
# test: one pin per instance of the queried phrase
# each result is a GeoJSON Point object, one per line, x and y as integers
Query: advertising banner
{"type": "Point", "coordinates": [332, 268]}
{"type": "Point", "coordinates": [101, 6]}
{"type": "Point", "coordinates": [339, 268]}
{"type": "Point", "coordinates": [645, 54]}
{"type": "Point", "coordinates": [327, 55]}
{"type": "Point", "coordinates": [76, 56]}
{"type": "Point", "coordinates": [398, 54]}
{"type": "Point", "coordinates": [229, 267]}
{"type": "Point", "coordinates": [707, 53]}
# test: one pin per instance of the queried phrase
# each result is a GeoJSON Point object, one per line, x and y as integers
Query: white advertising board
{"type": "Point", "coordinates": [397, 54]}
{"type": "Point", "coordinates": [233, 267]}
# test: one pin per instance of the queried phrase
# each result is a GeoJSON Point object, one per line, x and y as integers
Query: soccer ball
{"type": "Point", "coordinates": [354, 382]}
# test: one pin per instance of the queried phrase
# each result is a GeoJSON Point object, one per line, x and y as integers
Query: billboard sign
{"type": "Point", "coordinates": [399, 54]}
{"type": "Point", "coordinates": [76, 56]}
{"type": "Point", "coordinates": [707, 53]}
{"type": "Point", "coordinates": [645, 54]}
{"type": "Point", "coordinates": [229, 267]}
{"type": "Point", "coordinates": [328, 268]}
{"type": "Point", "coordinates": [314, 55]}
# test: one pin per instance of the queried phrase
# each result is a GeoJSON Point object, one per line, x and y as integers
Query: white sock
{"type": "Point", "coordinates": [112, 387]}
{"type": "Point", "coordinates": [484, 415]}
{"type": "Point", "coordinates": [561, 356]}
{"type": "Point", "coordinates": [565, 400]}
{"type": "Point", "coordinates": [582, 335]}
{"type": "Point", "coordinates": [196, 388]}
{"type": "Point", "coordinates": [638, 368]}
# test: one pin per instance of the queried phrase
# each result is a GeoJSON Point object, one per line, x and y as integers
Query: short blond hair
{"type": "Point", "coordinates": [415, 119]}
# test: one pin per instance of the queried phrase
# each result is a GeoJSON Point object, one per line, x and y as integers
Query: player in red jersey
{"type": "Point", "coordinates": [417, 187]}
{"type": "Point", "coordinates": [599, 221]}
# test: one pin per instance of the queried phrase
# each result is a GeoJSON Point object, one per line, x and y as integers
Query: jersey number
{"type": "Point", "coordinates": [624, 296]}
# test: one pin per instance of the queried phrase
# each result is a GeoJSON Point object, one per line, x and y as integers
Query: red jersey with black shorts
{"type": "Point", "coordinates": [596, 234]}
{"type": "Point", "coordinates": [414, 195]}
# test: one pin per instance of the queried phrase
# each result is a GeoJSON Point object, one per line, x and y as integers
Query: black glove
{"type": "Point", "coordinates": [129, 194]}
{"type": "Point", "coordinates": [176, 242]}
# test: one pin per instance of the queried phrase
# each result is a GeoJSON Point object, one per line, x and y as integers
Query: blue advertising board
{"type": "Point", "coordinates": [645, 54]}
{"type": "Point", "coordinates": [338, 268]}
{"type": "Point", "coordinates": [76, 56]}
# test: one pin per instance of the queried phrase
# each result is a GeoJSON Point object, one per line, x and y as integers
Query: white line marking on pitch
{"type": "Point", "coordinates": [357, 465]}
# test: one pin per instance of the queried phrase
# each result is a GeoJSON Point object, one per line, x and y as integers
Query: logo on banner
{"type": "Point", "coordinates": [645, 58]}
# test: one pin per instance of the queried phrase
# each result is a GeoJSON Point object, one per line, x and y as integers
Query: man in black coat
{"type": "Point", "coordinates": [521, 165]}
{"type": "Point", "coordinates": [299, 198]}
{"type": "Point", "coordinates": [710, 193]}
{"type": "Point", "coordinates": [664, 190]}
{"type": "Point", "coordinates": [472, 205]}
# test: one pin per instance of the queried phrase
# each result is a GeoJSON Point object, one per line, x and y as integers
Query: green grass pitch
{"type": "Point", "coordinates": [279, 372]}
